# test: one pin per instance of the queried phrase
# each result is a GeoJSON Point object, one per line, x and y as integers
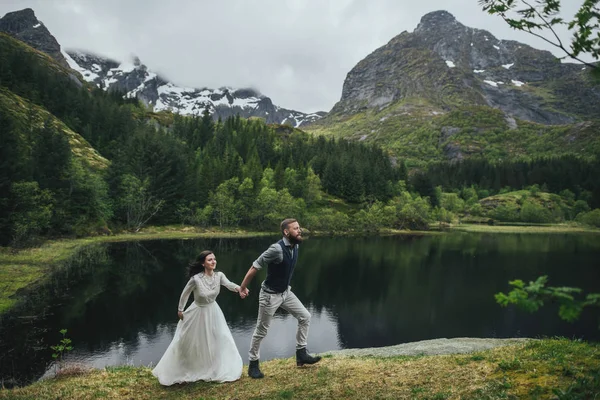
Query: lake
{"type": "Point", "coordinates": [118, 301]}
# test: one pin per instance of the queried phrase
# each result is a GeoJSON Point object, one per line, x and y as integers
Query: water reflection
{"type": "Point", "coordinates": [119, 301]}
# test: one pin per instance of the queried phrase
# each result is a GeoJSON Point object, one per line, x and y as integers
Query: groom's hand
{"type": "Point", "coordinates": [244, 292]}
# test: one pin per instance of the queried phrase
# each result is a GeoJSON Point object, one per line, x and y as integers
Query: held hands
{"type": "Point", "coordinates": [180, 315]}
{"type": "Point", "coordinates": [243, 292]}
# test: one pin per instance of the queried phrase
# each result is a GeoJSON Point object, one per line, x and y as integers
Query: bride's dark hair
{"type": "Point", "coordinates": [195, 267]}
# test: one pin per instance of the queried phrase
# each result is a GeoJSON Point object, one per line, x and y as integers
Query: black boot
{"type": "Point", "coordinates": [302, 357]}
{"type": "Point", "coordinates": [254, 370]}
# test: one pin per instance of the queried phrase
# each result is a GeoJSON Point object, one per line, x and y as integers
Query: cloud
{"type": "Point", "coordinates": [297, 52]}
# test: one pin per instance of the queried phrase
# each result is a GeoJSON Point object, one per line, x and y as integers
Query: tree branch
{"type": "Point", "coordinates": [547, 24]}
{"type": "Point", "coordinates": [559, 45]}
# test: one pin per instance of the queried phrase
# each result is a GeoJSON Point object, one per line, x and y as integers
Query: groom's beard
{"type": "Point", "coordinates": [295, 239]}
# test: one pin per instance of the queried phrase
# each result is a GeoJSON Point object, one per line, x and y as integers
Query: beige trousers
{"type": "Point", "coordinates": [267, 305]}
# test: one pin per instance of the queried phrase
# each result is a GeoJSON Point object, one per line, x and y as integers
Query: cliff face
{"type": "Point", "coordinates": [450, 65]}
{"type": "Point", "coordinates": [24, 25]}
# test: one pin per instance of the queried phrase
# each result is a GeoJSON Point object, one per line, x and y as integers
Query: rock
{"type": "Point", "coordinates": [431, 347]}
{"type": "Point", "coordinates": [25, 26]}
{"type": "Point", "coordinates": [448, 131]}
{"type": "Point", "coordinates": [511, 122]}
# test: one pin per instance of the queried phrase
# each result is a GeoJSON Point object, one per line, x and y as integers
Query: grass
{"type": "Point", "coordinates": [539, 369]}
{"type": "Point", "coordinates": [524, 228]}
{"type": "Point", "coordinates": [21, 268]}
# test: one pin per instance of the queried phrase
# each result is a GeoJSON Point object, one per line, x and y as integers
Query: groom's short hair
{"type": "Point", "coordinates": [286, 222]}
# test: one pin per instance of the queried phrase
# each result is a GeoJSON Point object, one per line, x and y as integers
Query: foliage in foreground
{"type": "Point", "coordinates": [532, 296]}
{"type": "Point", "coordinates": [541, 18]}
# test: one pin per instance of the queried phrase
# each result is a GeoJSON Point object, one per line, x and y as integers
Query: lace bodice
{"type": "Point", "coordinates": [206, 288]}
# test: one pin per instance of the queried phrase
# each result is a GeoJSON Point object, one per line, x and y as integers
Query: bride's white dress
{"type": "Point", "coordinates": [202, 347]}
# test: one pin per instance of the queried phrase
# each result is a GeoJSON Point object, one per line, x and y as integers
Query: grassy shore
{"type": "Point", "coordinates": [552, 368]}
{"type": "Point", "coordinates": [524, 228]}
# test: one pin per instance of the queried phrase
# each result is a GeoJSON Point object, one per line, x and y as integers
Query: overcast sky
{"type": "Point", "coordinates": [297, 52]}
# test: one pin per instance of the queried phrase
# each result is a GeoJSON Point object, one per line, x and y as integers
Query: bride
{"type": "Point", "coordinates": [202, 347]}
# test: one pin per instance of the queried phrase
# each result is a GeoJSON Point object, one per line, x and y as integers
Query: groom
{"type": "Point", "coordinates": [279, 259]}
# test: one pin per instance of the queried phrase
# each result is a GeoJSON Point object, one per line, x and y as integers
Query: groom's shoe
{"type": "Point", "coordinates": [254, 370]}
{"type": "Point", "coordinates": [302, 357]}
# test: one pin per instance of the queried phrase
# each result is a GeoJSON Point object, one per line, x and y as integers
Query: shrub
{"type": "Point", "coordinates": [567, 195]}
{"type": "Point", "coordinates": [327, 220]}
{"type": "Point", "coordinates": [533, 212]}
{"type": "Point", "coordinates": [31, 210]}
{"type": "Point", "coordinates": [442, 215]}
{"type": "Point", "coordinates": [580, 206]}
{"type": "Point", "coordinates": [590, 218]}
{"type": "Point", "coordinates": [476, 209]}
{"type": "Point", "coordinates": [452, 202]}
{"type": "Point", "coordinates": [505, 213]}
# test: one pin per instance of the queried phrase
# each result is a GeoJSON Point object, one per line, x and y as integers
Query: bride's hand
{"type": "Point", "coordinates": [180, 315]}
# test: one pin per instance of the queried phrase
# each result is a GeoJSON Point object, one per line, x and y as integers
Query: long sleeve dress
{"type": "Point", "coordinates": [202, 347]}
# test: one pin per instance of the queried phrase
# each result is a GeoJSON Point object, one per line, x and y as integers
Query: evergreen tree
{"type": "Point", "coordinates": [332, 178]}
{"type": "Point", "coordinates": [279, 176]}
{"type": "Point", "coordinates": [352, 182]}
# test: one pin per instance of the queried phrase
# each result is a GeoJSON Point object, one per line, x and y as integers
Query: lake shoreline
{"type": "Point", "coordinates": [522, 369]}
{"type": "Point", "coordinates": [23, 269]}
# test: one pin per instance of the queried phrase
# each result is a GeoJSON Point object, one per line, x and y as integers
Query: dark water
{"type": "Point", "coordinates": [119, 301]}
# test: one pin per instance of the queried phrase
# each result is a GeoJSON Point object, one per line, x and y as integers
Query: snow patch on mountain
{"type": "Point", "coordinates": [135, 81]}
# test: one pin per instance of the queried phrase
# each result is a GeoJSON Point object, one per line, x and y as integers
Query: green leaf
{"type": "Point", "coordinates": [570, 312]}
{"type": "Point", "coordinates": [517, 283]}
{"type": "Point", "coordinates": [502, 299]}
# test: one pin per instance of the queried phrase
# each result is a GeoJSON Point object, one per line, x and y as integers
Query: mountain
{"type": "Point", "coordinates": [135, 80]}
{"type": "Point", "coordinates": [24, 25]}
{"type": "Point", "coordinates": [450, 64]}
{"type": "Point", "coordinates": [446, 90]}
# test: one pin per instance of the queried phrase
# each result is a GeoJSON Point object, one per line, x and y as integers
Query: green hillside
{"type": "Point", "coordinates": [531, 207]}
{"type": "Point", "coordinates": [419, 132]}
{"type": "Point", "coordinates": [29, 116]}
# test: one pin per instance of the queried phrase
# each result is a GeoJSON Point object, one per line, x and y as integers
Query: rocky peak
{"type": "Point", "coordinates": [451, 65]}
{"type": "Point", "coordinates": [437, 20]}
{"type": "Point", "coordinates": [18, 21]}
{"type": "Point", "coordinates": [25, 26]}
